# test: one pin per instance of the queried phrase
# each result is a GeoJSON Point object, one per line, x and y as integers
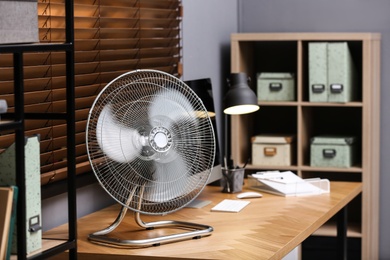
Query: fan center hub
{"type": "Point", "coordinates": [160, 139]}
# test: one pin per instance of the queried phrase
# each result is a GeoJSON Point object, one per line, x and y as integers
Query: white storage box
{"type": "Point", "coordinates": [18, 21]}
{"type": "Point", "coordinates": [272, 150]}
{"type": "Point", "coordinates": [275, 87]}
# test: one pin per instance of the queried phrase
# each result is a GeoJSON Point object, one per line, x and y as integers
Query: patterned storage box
{"type": "Point", "coordinates": [18, 21]}
{"type": "Point", "coordinates": [275, 87]}
{"type": "Point", "coordinates": [33, 189]}
{"type": "Point", "coordinates": [332, 151]}
{"type": "Point", "coordinates": [272, 150]}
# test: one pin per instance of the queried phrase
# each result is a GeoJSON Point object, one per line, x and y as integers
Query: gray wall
{"type": "Point", "coordinates": [335, 16]}
{"type": "Point", "coordinates": [207, 26]}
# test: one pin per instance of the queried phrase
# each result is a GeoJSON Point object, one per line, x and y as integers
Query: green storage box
{"type": "Point", "coordinates": [332, 73]}
{"type": "Point", "coordinates": [275, 87]}
{"type": "Point", "coordinates": [333, 151]}
{"type": "Point", "coordinates": [33, 190]}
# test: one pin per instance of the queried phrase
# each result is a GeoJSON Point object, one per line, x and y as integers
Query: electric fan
{"type": "Point", "coordinates": [151, 146]}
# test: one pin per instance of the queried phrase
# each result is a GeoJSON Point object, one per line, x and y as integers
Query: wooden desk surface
{"type": "Point", "coordinates": [268, 228]}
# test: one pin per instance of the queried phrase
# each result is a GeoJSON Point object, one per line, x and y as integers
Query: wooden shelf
{"type": "Point", "coordinates": [253, 53]}
{"type": "Point", "coordinates": [310, 104]}
{"type": "Point", "coordinates": [324, 169]}
{"type": "Point", "coordinates": [46, 245]}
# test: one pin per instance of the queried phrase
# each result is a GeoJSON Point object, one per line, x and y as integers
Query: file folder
{"type": "Point", "coordinates": [318, 71]}
{"type": "Point", "coordinates": [33, 190]}
{"type": "Point", "coordinates": [341, 73]}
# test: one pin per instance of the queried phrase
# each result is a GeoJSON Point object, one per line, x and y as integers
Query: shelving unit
{"type": "Point", "coordinates": [288, 52]}
{"type": "Point", "coordinates": [16, 123]}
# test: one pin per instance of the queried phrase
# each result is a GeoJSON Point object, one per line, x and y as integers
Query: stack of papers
{"type": "Point", "coordinates": [287, 183]}
{"type": "Point", "coordinates": [230, 205]}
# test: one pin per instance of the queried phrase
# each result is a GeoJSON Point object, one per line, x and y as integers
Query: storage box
{"type": "Point", "coordinates": [332, 73]}
{"type": "Point", "coordinates": [275, 87]}
{"type": "Point", "coordinates": [33, 190]}
{"type": "Point", "coordinates": [272, 150]}
{"type": "Point", "coordinates": [332, 151]}
{"type": "Point", "coordinates": [18, 21]}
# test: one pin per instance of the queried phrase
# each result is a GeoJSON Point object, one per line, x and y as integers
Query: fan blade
{"type": "Point", "coordinates": [170, 180]}
{"type": "Point", "coordinates": [172, 104]}
{"type": "Point", "coordinates": [119, 143]}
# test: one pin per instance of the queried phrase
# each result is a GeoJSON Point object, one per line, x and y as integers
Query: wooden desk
{"type": "Point", "coordinates": [268, 228]}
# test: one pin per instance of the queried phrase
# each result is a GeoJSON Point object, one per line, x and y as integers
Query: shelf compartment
{"type": "Point", "coordinates": [337, 121]}
{"type": "Point", "coordinates": [278, 120]}
{"type": "Point", "coordinates": [355, 48]}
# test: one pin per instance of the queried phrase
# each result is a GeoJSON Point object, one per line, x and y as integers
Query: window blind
{"type": "Point", "coordinates": [111, 37]}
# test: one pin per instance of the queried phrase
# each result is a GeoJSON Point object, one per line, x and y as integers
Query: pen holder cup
{"type": "Point", "coordinates": [232, 180]}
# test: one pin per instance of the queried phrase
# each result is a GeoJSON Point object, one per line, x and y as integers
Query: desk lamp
{"type": "Point", "coordinates": [239, 99]}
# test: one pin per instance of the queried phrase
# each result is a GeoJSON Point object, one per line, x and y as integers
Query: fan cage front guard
{"type": "Point", "coordinates": [133, 200]}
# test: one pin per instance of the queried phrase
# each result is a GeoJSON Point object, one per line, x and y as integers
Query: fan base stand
{"type": "Point", "coordinates": [196, 231]}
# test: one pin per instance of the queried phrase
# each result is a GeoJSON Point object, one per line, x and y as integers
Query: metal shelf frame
{"type": "Point", "coordinates": [17, 124]}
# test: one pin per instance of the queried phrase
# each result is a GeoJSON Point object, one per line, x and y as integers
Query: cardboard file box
{"type": "Point", "coordinates": [332, 151]}
{"type": "Point", "coordinates": [275, 87]}
{"type": "Point", "coordinates": [272, 150]}
{"type": "Point", "coordinates": [33, 189]}
{"type": "Point", "coordinates": [18, 21]}
{"type": "Point", "coordinates": [332, 73]}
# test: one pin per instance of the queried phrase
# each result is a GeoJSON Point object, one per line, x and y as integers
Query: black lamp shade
{"type": "Point", "coordinates": [240, 98]}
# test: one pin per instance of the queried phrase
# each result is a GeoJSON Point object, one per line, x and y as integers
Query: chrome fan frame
{"type": "Point", "coordinates": [145, 129]}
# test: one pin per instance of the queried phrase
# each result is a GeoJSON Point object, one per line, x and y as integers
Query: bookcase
{"type": "Point", "coordinates": [16, 118]}
{"type": "Point", "coordinates": [288, 52]}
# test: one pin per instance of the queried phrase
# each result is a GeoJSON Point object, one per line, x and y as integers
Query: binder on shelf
{"type": "Point", "coordinates": [318, 71]}
{"type": "Point", "coordinates": [33, 189]}
{"type": "Point", "coordinates": [332, 73]}
{"type": "Point", "coordinates": [287, 184]}
{"type": "Point", "coordinates": [341, 73]}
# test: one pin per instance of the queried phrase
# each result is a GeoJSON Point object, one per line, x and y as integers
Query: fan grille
{"type": "Point", "coordinates": [150, 142]}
